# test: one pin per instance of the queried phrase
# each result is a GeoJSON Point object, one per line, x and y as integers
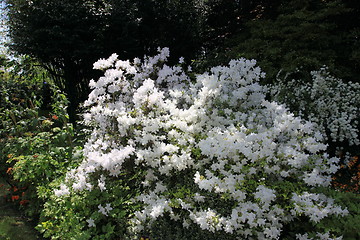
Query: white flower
{"type": "Point", "coordinates": [105, 210]}
{"type": "Point", "coordinates": [105, 63]}
{"type": "Point", "coordinates": [108, 207]}
{"type": "Point", "coordinates": [64, 190]}
{"type": "Point", "coordinates": [160, 187]}
{"type": "Point", "coordinates": [101, 183]}
{"type": "Point", "coordinates": [158, 209]}
{"type": "Point", "coordinates": [334, 104]}
{"type": "Point", "coordinates": [102, 210]}
{"type": "Point", "coordinates": [265, 194]}
{"type": "Point", "coordinates": [186, 224]}
{"type": "Point", "coordinates": [91, 222]}
{"type": "Point", "coordinates": [316, 206]}
{"type": "Point", "coordinates": [272, 233]}
{"type": "Point", "coordinates": [199, 198]}
{"type": "Point", "coordinates": [302, 236]}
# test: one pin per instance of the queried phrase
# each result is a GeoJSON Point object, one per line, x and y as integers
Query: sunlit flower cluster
{"type": "Point", "coordinates": [200, 139]}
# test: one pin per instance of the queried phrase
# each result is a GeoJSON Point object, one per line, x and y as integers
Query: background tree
{"type": "Point", "coordinates": [67, 37]}
{"type": "Point", "coordinates": [149, 24]}
{"type": "Point", "coordinates": [63, 36]}
{"type": "Point", "coordinates": [224, 18]}
{"type": "Point", "coordinates": [298, 37]}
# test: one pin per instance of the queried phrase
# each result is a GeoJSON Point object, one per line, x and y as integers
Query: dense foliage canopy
{"type": "Point", "coordinates": [299, 37]}
{"type": "Point", "coordinates": [68, 36]}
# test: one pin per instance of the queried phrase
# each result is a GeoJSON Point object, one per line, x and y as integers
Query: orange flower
{"type": "Point", "coordinates": [353, 161]}
{"type": "Point", "coordinates": [54, 117]}
{"type": "Point", "coordinates": [9, 170]}
{"type": "Point", "coordinates": [15, 197]}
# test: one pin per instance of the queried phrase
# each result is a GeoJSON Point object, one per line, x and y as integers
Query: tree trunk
{"type": "Point", "coordinates": [71, 90]}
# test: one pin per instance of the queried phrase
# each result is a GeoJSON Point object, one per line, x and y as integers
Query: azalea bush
{"type": "Point", "coordinates": [331, 103]}
{"type": "Point", "coordinates": [173, 154]}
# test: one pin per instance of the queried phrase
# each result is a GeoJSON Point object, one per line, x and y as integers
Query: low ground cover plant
{"type": "Point", "coordinates": [180, 155]}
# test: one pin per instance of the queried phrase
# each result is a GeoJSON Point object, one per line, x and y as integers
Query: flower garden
{"type": "Point", "coordinates": [163, 152]}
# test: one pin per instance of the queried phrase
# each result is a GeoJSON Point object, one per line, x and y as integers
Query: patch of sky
{"type": "Point", "coordinates": [3, 28]}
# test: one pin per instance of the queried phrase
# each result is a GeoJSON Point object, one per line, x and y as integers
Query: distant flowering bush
{"type": "Point", "coordinates": [331, 103]}
{"type": "Point", "coordinates": [206, 150]}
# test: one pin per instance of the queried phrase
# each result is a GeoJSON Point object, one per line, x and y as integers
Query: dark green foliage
{"type": "Point", "coordinates": [63, 36]}
{"type": "Point", "coordinates": [175, 24]}
{"type": "Point", "coordinates": [67, 37]}
{"type": "Point", "coordinates": [223, 18]}
{"type": "Point", "coordinates": [166, 228]}
{"type": "Point", "coordinates": [303, 36]}
{"type": "Point", "coordinates": [348, 225]}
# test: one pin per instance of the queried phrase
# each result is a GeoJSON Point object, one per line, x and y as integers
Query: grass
{"type": "Point", "coordinates": [13, 225]}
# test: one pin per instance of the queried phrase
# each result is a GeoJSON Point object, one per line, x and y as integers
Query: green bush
{"type": "Point", "coordinates": [37, 144]}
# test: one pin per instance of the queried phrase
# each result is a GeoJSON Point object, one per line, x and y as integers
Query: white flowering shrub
{"type": "Point", "coordinates": [331, 103]}
{"type": "Point", "coordinates": [207, 153]}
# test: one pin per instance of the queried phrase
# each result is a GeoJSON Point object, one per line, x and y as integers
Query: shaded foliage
{"type": "Point", "coordinates": [298, 37]}
{"type": "Point", "coordinates": [62, 36]}
{"type": "Point", "coordinates": [67, 37]}
{"type": "Point", "coordinates": [37, 144]}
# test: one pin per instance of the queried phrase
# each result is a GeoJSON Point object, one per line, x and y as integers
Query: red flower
{"type": "Point", "coordinates": [15, 197]}
{"type": "Point", "coordinates": [24, 202]}
{"type": "Point", "coordinates": [54, 117]}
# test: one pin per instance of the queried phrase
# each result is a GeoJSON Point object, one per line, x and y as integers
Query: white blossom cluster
{"type": "Point", "coordinates": [305, 204]}
{"type": "Point", "coordinates": [216, 134]}
{"type": "Point", "coordinates": [320, 236]}
{"type": "Point", "coordinates": [334, 105]}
